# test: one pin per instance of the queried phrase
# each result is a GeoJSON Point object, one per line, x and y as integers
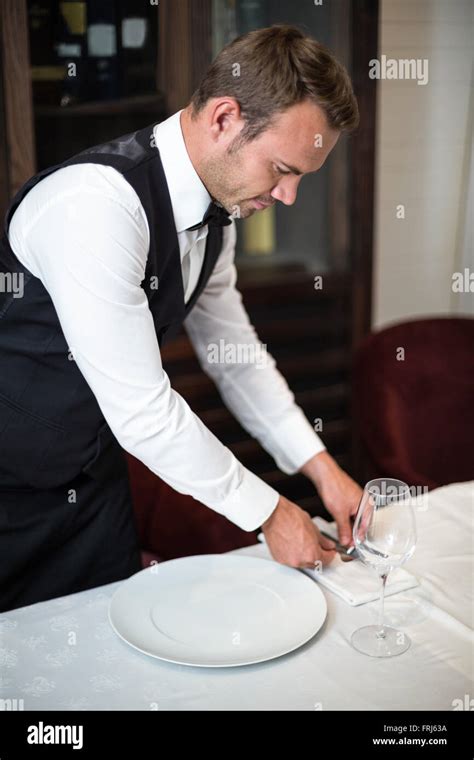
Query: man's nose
{"type": "Point", "coordinates": [286, 190]}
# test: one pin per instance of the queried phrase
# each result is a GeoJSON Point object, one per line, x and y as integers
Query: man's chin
{"type": "Point", "coordinates": [247, 209]}
{"type": "Point", "coordinates": [241, 210]}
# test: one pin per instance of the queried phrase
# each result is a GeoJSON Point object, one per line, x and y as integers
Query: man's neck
{"type": "Point", "coordinates": [189, 130]}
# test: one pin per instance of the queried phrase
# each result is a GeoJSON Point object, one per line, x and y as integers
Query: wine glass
{"type": "Point", "coordinates": [385, 537]}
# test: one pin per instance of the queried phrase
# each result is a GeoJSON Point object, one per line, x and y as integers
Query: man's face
{"type": "Point", "coordinates": [250, 177]}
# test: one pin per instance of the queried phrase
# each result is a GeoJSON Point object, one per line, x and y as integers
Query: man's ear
{"type": "Point", "coordinates": [224, 118]}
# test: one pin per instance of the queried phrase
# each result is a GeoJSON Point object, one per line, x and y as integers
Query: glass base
{"type": "Point", "coordinates": [368, 641]}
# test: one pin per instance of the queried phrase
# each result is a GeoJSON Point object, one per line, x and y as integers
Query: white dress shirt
{"type": "Point", "coordinates": [83, 232]}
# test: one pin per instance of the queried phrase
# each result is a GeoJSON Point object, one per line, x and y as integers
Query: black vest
{"type": "Point", "coordinates": [51, 426]}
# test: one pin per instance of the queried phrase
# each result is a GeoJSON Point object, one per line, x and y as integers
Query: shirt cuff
{"type": "Point", "coordinates": [251, 503]}
{"type": "Point", "coordinates": [294, 442]}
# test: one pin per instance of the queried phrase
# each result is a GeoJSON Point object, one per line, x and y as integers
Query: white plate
{"type": "Point", "coordinates": [216, 610]}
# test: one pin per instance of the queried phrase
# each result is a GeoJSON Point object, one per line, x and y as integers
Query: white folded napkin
{"type": "Point", "coordinates": [353, 581]}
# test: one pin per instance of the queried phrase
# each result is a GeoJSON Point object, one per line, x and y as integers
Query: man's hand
{"type": "Point", "coordinates": [340, 494]}
{"type": "Point", "coordinates": [293, 538]}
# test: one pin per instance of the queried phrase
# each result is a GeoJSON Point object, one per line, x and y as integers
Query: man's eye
{"type": "Point", "coordinates": [282, 171]}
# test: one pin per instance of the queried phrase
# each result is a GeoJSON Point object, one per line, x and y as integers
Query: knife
{"type": "Point", "coordinates": [347, 553]}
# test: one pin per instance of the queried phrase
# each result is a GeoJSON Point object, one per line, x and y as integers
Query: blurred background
{"type": "Point", "coordinates": [386, 223]}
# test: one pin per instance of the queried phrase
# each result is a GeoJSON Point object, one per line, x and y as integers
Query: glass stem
{"type": "Point", "coordinates": [381, 631]}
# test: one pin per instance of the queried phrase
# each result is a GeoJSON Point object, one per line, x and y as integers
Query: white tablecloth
{"type": "Point", "coordinates": [63, 654]}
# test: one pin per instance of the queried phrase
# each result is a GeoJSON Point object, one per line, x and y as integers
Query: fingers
{"type": "Point", "coordinates": [325, 558]}
{"type": "Point", "coordinates": [344, 530]}
{"type": "Point", "coordinates": [294, 540]}
{"type": "Point", "coordinates": [326, 543]}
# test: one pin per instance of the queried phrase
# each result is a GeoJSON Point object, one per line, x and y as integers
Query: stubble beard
{"type": "Point", "coordinates": [221, 176]}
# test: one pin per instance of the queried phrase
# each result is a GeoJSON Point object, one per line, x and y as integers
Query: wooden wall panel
{"type": "Point", "coordinates": [364, 48]}
{"type": "Point", "coordinates": [17, 110]}
{"type": "Point", "coordinates": [185, 48]}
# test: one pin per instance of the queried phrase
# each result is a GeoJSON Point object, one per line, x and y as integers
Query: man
{"type": "Point", "coordinates": [115, 249]}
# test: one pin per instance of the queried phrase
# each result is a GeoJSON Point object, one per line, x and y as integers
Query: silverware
{"type": "Point", "coordinates": [347, 553]}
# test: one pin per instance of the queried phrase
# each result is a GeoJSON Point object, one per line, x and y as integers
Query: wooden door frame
{"type": "Point", "coordinates": [362, 214]}
{"type": "Point", "coordinates": [4, 165]}
{"type": "Point", "coordinates": [17, 141]}
{"type": "Point", "coordinates": [185, 48]}
{"type": "Point", "coordinates": [364, 32]}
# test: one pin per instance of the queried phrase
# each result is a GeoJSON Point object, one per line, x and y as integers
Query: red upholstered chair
{"type": "Point", "coordinates": [172, 525]}
{"type": "Point", "coordinates": [415, 416]}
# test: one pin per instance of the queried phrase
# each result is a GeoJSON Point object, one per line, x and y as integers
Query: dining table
{"type": "Point", "coordinates": [63, 654]}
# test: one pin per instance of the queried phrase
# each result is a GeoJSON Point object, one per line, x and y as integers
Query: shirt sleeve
{"type": "Point", "coordinates": [246, 375]}
{"type": "Point", "coordinates": [85, 235]}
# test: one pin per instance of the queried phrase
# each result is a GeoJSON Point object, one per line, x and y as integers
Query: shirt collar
{"type": "Point", "coordinates": [189, 197]}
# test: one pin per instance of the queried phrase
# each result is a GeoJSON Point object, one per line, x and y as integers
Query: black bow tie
{"type": "Point", "coordinates": [215, 216]}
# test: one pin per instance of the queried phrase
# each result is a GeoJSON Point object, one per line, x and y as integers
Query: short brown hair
{"type": "Point", "coordinates": [280, 66]}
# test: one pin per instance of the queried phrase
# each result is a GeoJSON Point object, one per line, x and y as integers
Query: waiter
{"type": "Point", "coordinates": [116, 248]}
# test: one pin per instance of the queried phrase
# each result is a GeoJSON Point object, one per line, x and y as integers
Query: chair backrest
{"type": "Point", "coordinates": [172, 524]}
{"type": "Point", "coordinates": [414, 400]}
